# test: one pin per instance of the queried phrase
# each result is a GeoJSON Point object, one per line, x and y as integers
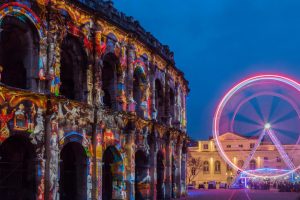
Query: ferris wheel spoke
{"type": "Point", "coordinates": [286, 117]}
{"type": "Point", "coordinates": [255, 105]}
{"type": "Point", "coordinates": [281, 150]}
{"type": "Point", "coordinates": [253, 133]}
{"type": "Point", "coordinates": [257, 144]}
{"type": "Point", "coordinates": [274, 105]}
{"type": "Point", "coordinates": [286, 132]}
{"type": "Point", "coordinates": [243, 118]}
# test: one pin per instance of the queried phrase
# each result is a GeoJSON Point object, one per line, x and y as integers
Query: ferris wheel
{"type": "Point", "coordinates": [266, 110]}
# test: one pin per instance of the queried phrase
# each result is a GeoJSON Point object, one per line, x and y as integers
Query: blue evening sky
{"type": "Point", "coordinates": [219, 42]}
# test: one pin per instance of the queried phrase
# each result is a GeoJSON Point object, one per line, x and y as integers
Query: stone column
{"type": "Point", "coordinates": [153, 110]}
{"type": "Point", "coordinates": [40, 178]}
{"type": "Point", "coordinates": [183, 191]}
{"type": "Point", "coordinates": [130, 68]}
{"type": "Point", "coordinates": [178, 175]}
{"type": "Point", "coordinates": [168, 168]}
{"type": "Point", "coordinates": [153, 170]}
{"type": "Point", "coordinates": [130, 165]}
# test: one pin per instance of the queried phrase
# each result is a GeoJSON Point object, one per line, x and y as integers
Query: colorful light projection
{"type": "Point", "coordinates": [257, 119]}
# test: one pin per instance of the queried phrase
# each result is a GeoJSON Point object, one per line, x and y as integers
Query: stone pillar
{"type": "Point", "coordinates": [130, 165]}
{"type": "Point", "coordinates": [178, 175]}
{"type": "Point", "coordinates": [183, 191]}
{"type": "Point", "coordinates": [130, 68]}
{"type": "Point", "coordinates": [167, 114]}
{"type": "Point", "coordinates": [168, 168]}
{"type": "Point", "coordinates": [40, 178]}
{"type": "Point", "coordinates": [153, 110]}
{"type": "Point", "coordinates": [153, 170]}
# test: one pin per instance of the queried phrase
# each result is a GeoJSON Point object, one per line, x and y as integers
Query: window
{"type": "Point", "coordinates": [252, 164]}
{"type": "Point", "coordinates": [266, 158]}
{"type": "Point", "coordinates": [241, 146]}
{"type": "Point", "coordinates": [278, 159]}
{"type": "Point", "coordinates": [217, 167]}
{"type": "Point", "coordinates": [229, 169]}
{"type": "Point", "coordinates": [228, 146]}
{"type": "Point", "coordinates": [252, 145]}
{"type": "Point", "coordinates": [206, 167]}
{"type": "Point", "coordinates": [193, 171]}
{"type": "Point", "coordinates": [205, 146]}
{"type": "Point", "coordinates": [240, 163]}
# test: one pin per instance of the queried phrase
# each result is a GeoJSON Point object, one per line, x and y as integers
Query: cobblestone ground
{"type": "Point", "coordinates": [241, 194]}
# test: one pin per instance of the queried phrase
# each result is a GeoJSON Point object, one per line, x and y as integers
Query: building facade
{"type": "Point", "coordinates": [92, 105]}
{"type": "Point", "coordinates": [237, 148]}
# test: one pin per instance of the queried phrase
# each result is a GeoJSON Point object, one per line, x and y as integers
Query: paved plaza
{"type": "Point", "coordinates": [241, 194]}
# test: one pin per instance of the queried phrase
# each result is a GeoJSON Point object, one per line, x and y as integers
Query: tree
{"type": "Point", "coordinates": [194, 167]}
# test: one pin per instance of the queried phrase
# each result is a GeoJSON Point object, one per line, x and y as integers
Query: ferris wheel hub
{"type": "Point", "coordinates": [267, 126]}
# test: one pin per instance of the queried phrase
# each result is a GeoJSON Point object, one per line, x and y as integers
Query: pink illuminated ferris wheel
{"type": "Point", "coordinates": [264, 109]}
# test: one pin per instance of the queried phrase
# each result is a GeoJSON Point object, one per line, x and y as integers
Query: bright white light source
{"type": "Point", "coordinates": [267, 126]}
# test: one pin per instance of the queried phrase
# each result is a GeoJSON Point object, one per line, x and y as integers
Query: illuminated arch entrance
{"type": "Point", "coordinates": [112, 174]}
{"type": "Point", "coordinates": [73, 172]}
{"type": "Point", "coordinates": [142, 178]}
{"type": "Point", "coordinates": [17, 169]}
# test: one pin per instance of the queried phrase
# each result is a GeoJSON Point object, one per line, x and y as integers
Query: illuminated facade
{"type": "Point", "coordinates": [92, 105]}
{"type": "Point", "coordinates": [238, 149]}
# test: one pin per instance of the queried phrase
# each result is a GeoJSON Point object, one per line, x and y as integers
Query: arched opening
{"type": "Point", "coordinates": [112, 176]}
{"type": "Point", "coordinates": [159, 100]}
{"type": "Point", "coordinates": [73, 70]}
{"type": "Point", "coordinates": [73, 172]}
{"type": "Point", "coordinates": [17, 169]}
{"type": "Point", "coordinates": [19, 52]}
{"type": "Point", "coordinates": [109, 80]}
{"type": "Point", "coordinates": [142, 178]}
{"type": "Point", "coordinates": [160, 176]}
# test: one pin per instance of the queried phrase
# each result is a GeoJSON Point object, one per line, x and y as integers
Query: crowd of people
{"type": "Point", "coordinates": [281, 186]}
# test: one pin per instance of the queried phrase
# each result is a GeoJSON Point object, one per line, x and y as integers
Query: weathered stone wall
{"type": "Point", "coordinates": [96, 84]}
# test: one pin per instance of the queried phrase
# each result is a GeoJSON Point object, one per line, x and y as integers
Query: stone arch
{"type": "Point", "coordinates": [73, 137]}
{"type": "Point", "coordinates": [142, 177]}
{"type": "Point", "coordinates": [111, 41]}
{"type": "Point", "coordinates": [112, 174]}
{"type": "Point", "coordinates": [18, 169]}
{"type": "Point", "coordinates": [160, 175]}
{"type": "Point", "coordinates": [73, 70]}
{"type": "Point", "coordinates": [19, 52]}
{"type": "Point", "coordinates": [73, 171]}
{"type": "Point", "coordinates": [15, 9]}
